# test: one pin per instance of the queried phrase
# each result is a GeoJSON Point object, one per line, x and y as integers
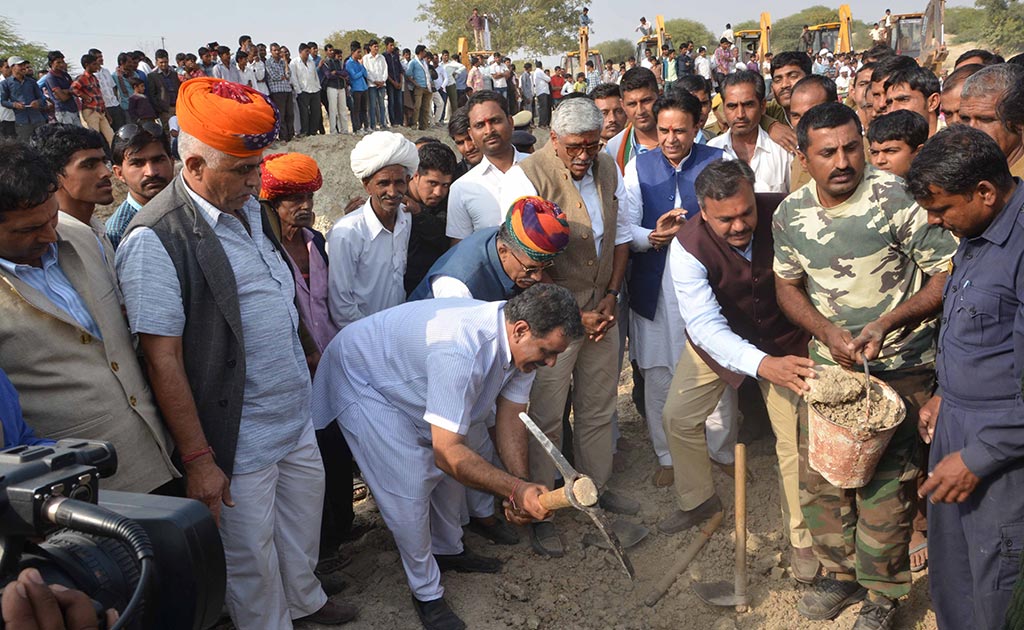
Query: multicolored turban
{"type": "Point", "coordinates": [286, 174]}
{"type": "Point", "coordinates": [538, 226]}
{"type": "Point", "coordinates": [230, 117]}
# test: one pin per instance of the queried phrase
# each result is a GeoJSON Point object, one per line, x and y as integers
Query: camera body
{"type": "Point", "coordinates": [187, 589]}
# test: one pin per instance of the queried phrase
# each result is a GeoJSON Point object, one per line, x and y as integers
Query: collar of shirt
{"type": "Point", "coordinates": [747, 252]}
{"type": "Point", "coordinates": [761, 144]}
{"type": "Point", "coordinates": [130, 200]}
{"type": "Point", "coordinates": [999, 230]}
{"type": "Point", "coordinates": [213, 214]}
{"type": "Point", "coordinates": [49, 259]}
{"type": "Point", "coordinates": [485, 166]}
{"type": "Point", "coordinates": [376, 227]}
{"type": "Point", "coordinates": [503, 343]}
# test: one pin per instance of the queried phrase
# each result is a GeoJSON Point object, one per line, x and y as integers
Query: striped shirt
{"type": "Point", "coordinates": [436, 362]}
{"type": "Point", "coordinates": [275, 406]}
{"type": "Point", "coordinates": [51, 282]}
{"type": "Point", "coordinates": [118, 222]}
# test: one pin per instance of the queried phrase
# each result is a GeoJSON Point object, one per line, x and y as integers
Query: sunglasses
{"type": "Point", "coordinates": [131, 130]}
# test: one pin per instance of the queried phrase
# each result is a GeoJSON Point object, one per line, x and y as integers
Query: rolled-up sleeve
{"type": "Point", "coordinates": [149, 282]}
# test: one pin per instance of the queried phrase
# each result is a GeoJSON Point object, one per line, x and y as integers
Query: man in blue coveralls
{"type": "Point", "coordinates": [975, 422]}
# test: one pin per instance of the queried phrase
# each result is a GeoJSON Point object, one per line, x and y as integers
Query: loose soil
{"type": "Point", "coordinates": [838, 395]}
{"type": "Point", "coordinates": [587, 589]}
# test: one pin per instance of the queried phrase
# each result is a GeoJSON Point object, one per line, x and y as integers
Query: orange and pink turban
{"type": "Point", "coordinates": [230, 117]}
{"type": "Point", "coordinates": [538, 226]}
{"type": "Point", "coordinates": [286, 174]}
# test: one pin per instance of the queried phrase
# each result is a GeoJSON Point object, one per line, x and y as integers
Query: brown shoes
{"type": "Point", "coordinates": [803, 564]}
{"type": "Point", "coordinates": [663, 477]}
{"type": "Point", "coordinates": [332, 614]}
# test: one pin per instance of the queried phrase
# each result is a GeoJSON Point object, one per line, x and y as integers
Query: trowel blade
{"type": "Point", "coordinates": [718, 594]}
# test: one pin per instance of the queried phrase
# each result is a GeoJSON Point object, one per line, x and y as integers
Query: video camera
{"type": "Point", "coordinates": [157, 560]}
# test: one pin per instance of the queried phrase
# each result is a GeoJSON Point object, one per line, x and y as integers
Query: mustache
{"type": "Point", "coordinates": [156, 179]}
{"type": "Point", "coordinates": [840, 172]}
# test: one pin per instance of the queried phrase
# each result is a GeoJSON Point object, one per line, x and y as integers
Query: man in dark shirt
{"type": "Point", "coordinates": [458, 131]}
{"type": "Point", "coordinates": [974, 424]}
{"type": "Point", "coordinates": [394, 83]}
{"type": "Point", "coordinates": [162, 87]}
{"type": "Point", "coordinates": [427, 201]}
{"type": "Point", "coordinates": [58, 87]}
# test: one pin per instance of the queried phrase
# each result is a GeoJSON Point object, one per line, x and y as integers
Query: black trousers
{"type": "Point", "coordinates": [543, 110]}
{"type": "Point", "coordinates": [360, 117]}
{"type": "Point", "coordinates": [283, 101]}
{"type": "Point", "coordinates": [338, 469]}
{"type": "Point", "coordinates": [309, 109]}
{"type": "Point", "coordinates": [7, 129]}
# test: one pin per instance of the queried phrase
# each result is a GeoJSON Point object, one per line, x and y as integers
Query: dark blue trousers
{"type": "Point", "coordinates": [974, 547]}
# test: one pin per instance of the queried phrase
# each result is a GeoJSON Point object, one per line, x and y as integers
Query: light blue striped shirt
{"type": "Point", "coordinates": [51, 282]}
{"type": "Point", "coordinates": [275, 406]}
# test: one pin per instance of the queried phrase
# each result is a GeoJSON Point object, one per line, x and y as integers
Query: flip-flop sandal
{"type": "Point", "coordinates": [917, 568]}
{"type": "Point", "coordinates": [359, 490]}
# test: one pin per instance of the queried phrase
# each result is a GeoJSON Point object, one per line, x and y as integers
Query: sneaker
{"type": "Point", "coordinates": [467, 562]}
{"type": "Point", "coordinates": [876, 615]}
{"type": "Point", "coordinates": [680, 520]}
{"type": "Point", "coordinates": [545, 540]}
{"type": "Point", "coordinates": [618, 504]}
{"type": "Point", "coordinates": [436, 615]}
{"type": "Point", "coordinates": [828, 597]}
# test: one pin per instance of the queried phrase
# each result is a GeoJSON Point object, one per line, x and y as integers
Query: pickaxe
{"type": "Point", "coordinates": [579, 492]}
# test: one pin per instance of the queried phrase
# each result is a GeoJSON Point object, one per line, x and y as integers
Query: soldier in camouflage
{"type": "Point", "coordinates": [858, 267]}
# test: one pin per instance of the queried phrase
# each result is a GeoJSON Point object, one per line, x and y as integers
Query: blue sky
{"type": "Point", "coordinates": [112, 26]}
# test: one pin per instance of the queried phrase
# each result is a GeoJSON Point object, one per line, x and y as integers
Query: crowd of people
{"type": "Point", "coordinates": [725, 223]}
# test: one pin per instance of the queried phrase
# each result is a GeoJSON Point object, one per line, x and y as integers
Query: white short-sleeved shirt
{"type": "Point", "coordinates": [771, 163]}
{"type": "Point", "coordinates": [474, 200]}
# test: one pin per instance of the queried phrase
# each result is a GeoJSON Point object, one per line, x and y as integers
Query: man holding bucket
{"type": "Point", "coordinates": [976, 522]}
{"type": "Point", "coordinates": [859, 268]}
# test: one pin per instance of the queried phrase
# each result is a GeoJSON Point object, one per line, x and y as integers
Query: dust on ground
{"type": "Point", "coordinates": [587, 589]}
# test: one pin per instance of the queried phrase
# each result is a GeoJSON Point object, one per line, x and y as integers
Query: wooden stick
{"type": "Point", "coordinates": [691, 552]}
{"type": "Point", "coordinates": [741, 526]}
{"type": "Point", "coordinates": [583, 488]}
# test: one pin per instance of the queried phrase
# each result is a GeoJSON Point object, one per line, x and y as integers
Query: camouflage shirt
{"type": "Point", "coordinates": [862, 259]}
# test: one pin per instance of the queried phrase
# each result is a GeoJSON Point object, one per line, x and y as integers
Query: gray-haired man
{"type": "Point", "coordinates": [572, 172]}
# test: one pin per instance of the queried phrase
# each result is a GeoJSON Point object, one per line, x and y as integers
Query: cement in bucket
{"type": "Point", "coordinates": [843, 458]}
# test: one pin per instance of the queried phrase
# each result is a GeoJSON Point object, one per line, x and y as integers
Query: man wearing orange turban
{"type": "Point", "coordinates": [209, 293]}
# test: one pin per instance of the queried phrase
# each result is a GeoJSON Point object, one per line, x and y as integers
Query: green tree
{"type": "Point", "coordinates": [538, 27]}
{"type": "Point", "coordinates": [682, 30]}
{"type": "Point", "coordinates": [1005, 23]}
{"type": "Point", "coordinates": [967, 24]}
{"type": "Point", "coordinates": [341, 39]}
{"type": "Point", "coordinates": [12, 44]}
{"type": "Point", "coordinates": [616, 50]}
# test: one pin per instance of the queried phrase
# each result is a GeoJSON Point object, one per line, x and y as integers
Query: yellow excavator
{"type": "Point", "coordinates": [756, 40]}
{"type": "Point", "coordinates": [922, 35]}
{"type": "Point", "coordinates": [837, 37]}
{"type": "Point", "coordinates": [571, 60]}
{"type": "Point", "coordinates": [654, 41]}
{"type": "Point", "coordinates": [465, 53]}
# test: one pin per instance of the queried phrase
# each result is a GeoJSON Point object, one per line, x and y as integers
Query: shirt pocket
{"type": "Point", "coordinates": [1011, 541]}
{"type": "Point", "coordinates": [977, 318]}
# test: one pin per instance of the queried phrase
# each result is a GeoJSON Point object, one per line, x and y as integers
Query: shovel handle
{"type": "Point", "coordinates": [583, 488]}
{"type": "Point", "coordinates": [741, 526]}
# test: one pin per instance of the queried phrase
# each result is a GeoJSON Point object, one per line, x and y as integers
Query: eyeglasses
{"type": "Point", "coordinates": [575, 150]}
{"type": "Point", "coordinates": [535, 270]}
{"type": "Point", "coordinates": [128, 132]}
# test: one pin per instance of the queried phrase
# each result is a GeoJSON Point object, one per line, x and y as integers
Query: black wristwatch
{"type": "Point", "coordinates": [613, 293]}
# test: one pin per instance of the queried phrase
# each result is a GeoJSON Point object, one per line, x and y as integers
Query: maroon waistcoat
{"type": "Point", "coordinates": [745, 290]}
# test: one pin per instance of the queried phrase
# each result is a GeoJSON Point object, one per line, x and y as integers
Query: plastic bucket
{"type": "Point", "coordinates": [846, 458]}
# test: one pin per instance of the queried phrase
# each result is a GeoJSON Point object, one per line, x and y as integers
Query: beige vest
{"type": "Point", "coordinates": [579, 268]}
{"type": "Point", "coordinates": [72, 385]}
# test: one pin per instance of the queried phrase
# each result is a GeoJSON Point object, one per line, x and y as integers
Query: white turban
{"type": "Point", "coordinates": [384, 148]}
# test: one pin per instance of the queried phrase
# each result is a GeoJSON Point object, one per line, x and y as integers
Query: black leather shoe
{"type": "Point", "coordinates": [436, 615]}
{"type": "Point", "coordinates": [468, 562]}
{"type": "Point", "coordinates": [545, 540]}
{"type": "Point", "coordinates": [828, 597]}
{"type": "Point", "coordinates": [494, 530]}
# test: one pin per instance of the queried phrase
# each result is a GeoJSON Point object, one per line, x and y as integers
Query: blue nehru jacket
{"type": "Point", "coordinates": [474, 262]}
{"type": "Point", "coordinates": [659, 182]}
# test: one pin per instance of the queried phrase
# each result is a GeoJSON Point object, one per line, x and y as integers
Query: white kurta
{"type": "Point", "coordinates": [474, 200]}
{"type": "Point", "coordinates": [367, 271]}
{"type": "Point", "coordinates": [388, 379]}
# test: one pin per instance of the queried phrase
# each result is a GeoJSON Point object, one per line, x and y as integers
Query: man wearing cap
{"type": "Point", "coordinates": [212, 301]}
{"type": "Point", "coordinates": [408, 384]}
{"type": "Point", "coordinates": [22, 94]}
{"type": "Point", "coordinates": [369, 247]}
{"type": "Point", "coordinates": [142, 161]}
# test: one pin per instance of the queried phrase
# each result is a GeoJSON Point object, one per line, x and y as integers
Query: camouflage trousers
{"type": "Point", "coordinates": [864, 533]}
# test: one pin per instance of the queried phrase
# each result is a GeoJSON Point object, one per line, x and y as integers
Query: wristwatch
{"type": "Point", "coordinates": [615, 294]}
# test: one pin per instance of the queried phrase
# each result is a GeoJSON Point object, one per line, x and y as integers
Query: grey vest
{"type": "Point", "coordinates": [212, 344]}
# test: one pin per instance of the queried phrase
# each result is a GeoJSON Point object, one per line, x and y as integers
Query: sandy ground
{"type": "Point", "coordinates": [587, 589]}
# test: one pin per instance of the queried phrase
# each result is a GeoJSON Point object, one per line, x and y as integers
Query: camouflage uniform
{"type": "Point", "coordinates": [860, 260]}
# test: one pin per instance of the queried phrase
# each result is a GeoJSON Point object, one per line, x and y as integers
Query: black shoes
{"type": "Point", "coordinates": [467, 562]}
{"type": "Point", "coordinates": [828, 597]}
{"type": "Point", "coordinates": [494, 530]}
{"type": "Point", "coordinates": [436, 615]}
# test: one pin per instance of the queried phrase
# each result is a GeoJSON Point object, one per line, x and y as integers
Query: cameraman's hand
{"type": "Point", "coordinates": [208, 483]}
{"type": "Point", "coordinates": [29, 604]}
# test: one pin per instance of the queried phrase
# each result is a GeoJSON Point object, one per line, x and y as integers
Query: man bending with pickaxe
{"type": "Point", "coordinates": [406, 385]}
